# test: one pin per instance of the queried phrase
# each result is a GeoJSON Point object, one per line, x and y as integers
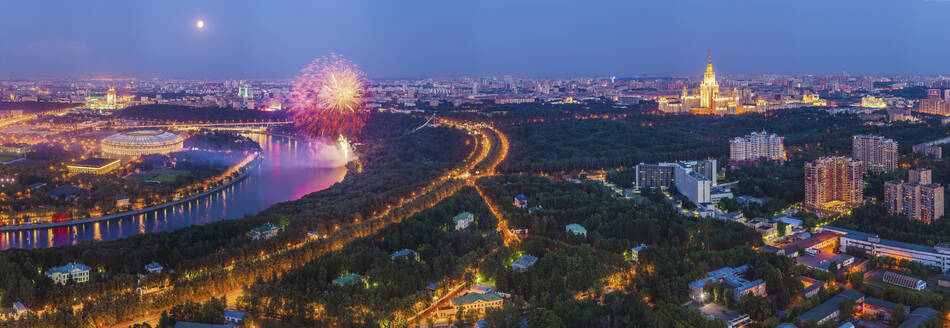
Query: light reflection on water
{"type": "Point", "coordinates": [289, 170]}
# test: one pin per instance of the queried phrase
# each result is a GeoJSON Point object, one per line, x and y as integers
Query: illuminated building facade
{"type": "Point", "coordinates": [833, 184]}
{"type": "Point", "coordinates": [94, 166]}
{"type": "Point", "coordinates": [141, 142]}
{"type": "Point", "coordinates": [709, 100]}
{"type": "Point", "coordinates": [920, 199]}
{"type": "Point", "coordinates": [873, 102]}
{"type": "Point", "coordinates": [877, 154]}
{"type": "Point", "coordinates": [938, 256]}
{"type": "Point", "coordinates": [756, 146]}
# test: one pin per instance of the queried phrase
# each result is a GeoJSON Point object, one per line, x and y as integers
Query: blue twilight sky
{"type": "Point", "coordinates": [444, 38]}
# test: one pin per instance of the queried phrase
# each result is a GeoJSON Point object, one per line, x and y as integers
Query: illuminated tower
{"type": "Point", "coordinates": [110, 97]}
{"type": "Point", "coordinates": [709, 89]}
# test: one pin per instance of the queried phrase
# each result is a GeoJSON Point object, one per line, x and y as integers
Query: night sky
{"type": "Point", "coordinates": [448, 38]}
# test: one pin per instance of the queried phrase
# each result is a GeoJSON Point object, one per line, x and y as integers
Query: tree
{"type": "Point", "coordinates": [856, 279]}
{"type": "Point", "coordinates": [546, 319]}
{"type": "Point", "coordinates": [899, 315]}
{"type": "Point", "coordinates": [782, 228]}
{"type": "Point", "coordinates": [847, 309]}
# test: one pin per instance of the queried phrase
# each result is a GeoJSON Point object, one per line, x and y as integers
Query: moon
{"type": "Point", "coordinates": [200, 24]}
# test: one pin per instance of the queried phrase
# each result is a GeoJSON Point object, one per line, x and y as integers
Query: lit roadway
{"type": "Point", "coordinates": [483, 148]}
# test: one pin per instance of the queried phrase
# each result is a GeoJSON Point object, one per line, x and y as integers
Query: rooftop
{"type": "Point", "coordinates": [918, 317]}
{"type": "Point", "coordinates": [825, 309]}
{"type": "Point", "coordinates": [476, 297]}
{"type": "Point", "coordinates": [66, 269]}
{"type": "Point", "coordinates": [463, 216]}
{"type": "Point", "coordinates": [94, 162]}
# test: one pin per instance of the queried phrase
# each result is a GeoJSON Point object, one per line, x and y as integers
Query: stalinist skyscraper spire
{"type": "Point", "coordinates": [709, 89]}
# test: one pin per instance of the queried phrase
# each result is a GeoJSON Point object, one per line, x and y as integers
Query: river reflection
{"type": "Point", "coordinates": [289, 170]}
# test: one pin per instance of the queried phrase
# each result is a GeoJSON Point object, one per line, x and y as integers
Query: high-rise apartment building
{"type": "Point", "coordinates": [756, 146]}
{"type": "Point", "coordinates": [833, 184]}
{"type": "Point", "coordinates": [919, 198]}
{"type": "Point", "coordinates": [876, 153]}
{"type": "Point", "coordinates": [693, 179]}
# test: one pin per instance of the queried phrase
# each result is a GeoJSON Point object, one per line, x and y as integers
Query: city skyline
{"type": "Point", "coordinates": [414, 40]}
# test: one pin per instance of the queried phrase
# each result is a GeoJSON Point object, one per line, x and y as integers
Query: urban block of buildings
{"type": "Point", "coordinates": [693, 179]}
{"type": "Point", "coordinates": [75, 272]}
{"type": "Point", "coordinates": [731, 278]}
{"type": "Point", "coordinates": [876, 153]}
{"type": "Point", "coordinates": [833, 184]}
{"type": "Point", "coordinates": [919, 198]}
{"type": "Point", "coordinates": [755, 147]}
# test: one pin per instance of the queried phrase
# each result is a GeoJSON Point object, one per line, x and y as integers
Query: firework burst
{"type": "Point", "coordinates": [328, 99]}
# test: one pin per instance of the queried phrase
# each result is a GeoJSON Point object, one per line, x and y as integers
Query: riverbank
{"type": "Point", "coordinates": [206, 193]}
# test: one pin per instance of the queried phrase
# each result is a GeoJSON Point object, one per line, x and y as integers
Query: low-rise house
{"type": "Point", "coordinates": [918, 317]}
{"type": "Point", "coordinates": [186, 324]}
{"type": "Point", "coordinates": [266, 231]}
{"type": "Point", "coordinates": [78, 273]}
{"type": "Point", "coordinates": [154, 267]}
{"type": "Point", "coordinates": [404, 253]}
{"type": "Point", "coordinates": [731, 278]}
{"type": "Point", "coordinates": [897, 279]}
{"type": "Point", "coordinates": [66, 192]}
{"type": "Point", "coordinates": [842, 260]}
{"type": "Point", "coordinates": [233, 316]}
{"type": "Point", "coordinates": [534, 209]}
{"type": "Point", "coordinates": [463, 220]}
{"type": "Point", "coordinates": [348, 279]}
{"type": "Point", "coordinates": [876, 306]}
{"type": "Point", "coordinates": [635, 253]}
{"type": "Point", "coordinates": [122, 201]}
{"type": "Point", "coordinates": [524, 262]}
{"type": "Point", "coordinates": [829, 310]}
{"type": "Point", "coordinates": [943, 280]}
{"type": "Point", "coordinates": [20, 309]}
{"type": "Point", "coordinates": [812, 286]}
{"type": "Point", "coordinates": [474, 300]}
{"type": "Point", "coordinates": [521, 201]}
{"type": "Point", "coordinates": [576, 229]}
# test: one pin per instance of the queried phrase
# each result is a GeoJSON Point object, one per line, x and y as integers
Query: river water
{"type": "Point", "coordinates": [289, 169]}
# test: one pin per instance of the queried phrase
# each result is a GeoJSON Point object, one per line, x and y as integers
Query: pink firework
{"type": "Point", "coordinates": [328, 99]}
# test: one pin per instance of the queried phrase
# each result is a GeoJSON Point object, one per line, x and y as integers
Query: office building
{"type": "Point", "coordinates": [833, 184]}
{"type": "Point", "coordinates": [756, 146]}
{"type": "Point", "coordinates": [919, 198]}
{"type": "Point", "coordinates": [876, 153]}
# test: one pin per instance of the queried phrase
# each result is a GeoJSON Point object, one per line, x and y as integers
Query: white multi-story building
{"type": "Point", "coordinates": [938, 256]}
{"type": "Point", "coordinates": [74, 271]}
{"type": "Point", "coordinates": [756, 146]}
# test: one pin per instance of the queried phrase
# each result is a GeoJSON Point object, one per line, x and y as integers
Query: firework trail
{"type": "Point", "coordinates": [327, 99]}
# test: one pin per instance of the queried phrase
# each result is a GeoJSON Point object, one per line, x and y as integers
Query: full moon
{"type": "Point", "coordinates": [200, 24]}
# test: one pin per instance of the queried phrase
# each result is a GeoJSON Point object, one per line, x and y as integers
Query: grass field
{"type": "Point", "coordinates": [6, 157]}
{"type": "Point", "coordinates": [159, 175]}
